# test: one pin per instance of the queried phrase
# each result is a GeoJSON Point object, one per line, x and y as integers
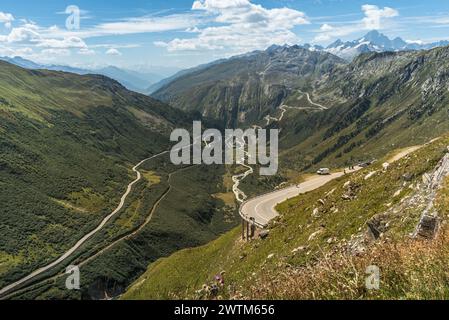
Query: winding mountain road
{"type": "Point", "coordinates": [254, 208]}
{"type": "Point", "coordinates": [10, 288]}
{"type": "Point", "coordinates": [237, 179]}
{"type": "Point", "coordinates": [262, 208]}
{"type": "Point", "coordinates": [284, 107]}
{"type": "Point", "coordinates": [311, 102]}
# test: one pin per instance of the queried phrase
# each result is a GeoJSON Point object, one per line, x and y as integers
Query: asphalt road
{"type": "Point", "coordinates": [262, 208]}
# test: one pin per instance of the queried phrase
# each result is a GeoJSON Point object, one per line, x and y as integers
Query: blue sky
{"type": "Point", "coordinates": [185, 33]}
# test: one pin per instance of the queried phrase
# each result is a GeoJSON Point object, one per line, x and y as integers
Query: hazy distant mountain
{"type": "Point", "coordinates": [132, 80]}
{"type": "Point", "coordinates": [21, 62]}
{"type": "Point", "coordinates": [158, 85]}
{"type": "Point", "coordinates": [375, 41]}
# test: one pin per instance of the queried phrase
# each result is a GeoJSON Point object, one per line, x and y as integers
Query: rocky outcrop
{"type": "Point", "coordinates": [428, 224]}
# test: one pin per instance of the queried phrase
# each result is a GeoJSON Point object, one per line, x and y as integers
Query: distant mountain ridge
{"type": "Point", "coordinates": [374, 41]}
{"type": "Point", "coordinates": [132, 80]}
{"type": "Point", "coordinates": [158, 85]}
{"type": "Point", "coordinates": [246, 88]}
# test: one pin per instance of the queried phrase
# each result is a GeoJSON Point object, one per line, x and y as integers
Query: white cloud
{"type": "Point", "coordinates": [234, 25]}
{"type": "Point", "coordinates": [10, 52]}
{"type": "Point", "coordinates": [113, 52]}
{"type": "Point", "coordinates": [175, 22]}
{"type": "Point", "coordinates": [326, 27]}
{"type": "Point", "coordinates": [328, 32]}
{"type": "Point", "coordinates": [57, 52]}
{"type": "Point", "coordinates": [240, 26]}
{"type": "Point", "coordinates": [31, 34]}
{"type": "Point", "coordinates": [116, 45]}
{"type": "Point", "coordinates": [193, 30]}
{"type": "Point", "coordinates": [55, 38]}
{"type": "Point", "coordinates": [373, 19]}
{"type": "Point", "coordinates": [23, 34]}
{"type": "Point", "coordinates": [374, 15]}
{"type": "Point", "coordinates": [419, 42]}
{"type": "Point", "coordinates": [24, 51]}
{"type": "Point", "coordinates": [6, 19]}
{"type": "Point", "coordinates": [66, 43]}
{"type": "Point", "coordinates": [86, 52]}
{"type": "Point", "coordinates": [161, 44]}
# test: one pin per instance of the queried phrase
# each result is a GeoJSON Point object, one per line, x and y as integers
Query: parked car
{"type": "Point", "coordinates": [363, 164]}
{"type": "Point", "coordinates": [366, 163]}
{"type": "Point", "coordinates": [324, 171]}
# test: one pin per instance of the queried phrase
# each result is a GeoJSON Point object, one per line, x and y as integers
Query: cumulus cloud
{"type": "Point", "coordinates": [23, 34]}
{"type": "Point", "coordinates": [37, 43]}
{"type": "Point", "coordinates": [326, 27]}
{"type": "Point", "coordinates": [241, 26]}
{"type": "Point", "coordinates": [232, 25]}
{"type": "Point", "coordinates": [6, 19]}
{"type": "Point", "coordinates": [86, 52]}
{"type": "Point", "coordinates": [66, 43]}
{"type": "Point", "coordinates": [13, 52]}
{"type": "Point", "coordinates": [374, 15]}
{"type": "Point", "coordinates": [374, 18]}
{"type": "Point", "coordinates": [32, 34]}
{"type": "Point", "coordinates": [113, 52]}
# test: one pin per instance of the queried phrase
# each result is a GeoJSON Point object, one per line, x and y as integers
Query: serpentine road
{"type": "Point", "coordinates": [311, 102]}
{"type": "Point", "coordinates": [239, 195]}
{"type": "Point", "coordinates": [262, 208]}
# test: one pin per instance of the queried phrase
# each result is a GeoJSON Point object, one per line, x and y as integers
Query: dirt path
{"type": "Point", "coordinates": [403, 152]}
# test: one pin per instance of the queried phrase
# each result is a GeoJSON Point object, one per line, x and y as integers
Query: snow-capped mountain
{"type": "Point", "coordinates": [375, 41]}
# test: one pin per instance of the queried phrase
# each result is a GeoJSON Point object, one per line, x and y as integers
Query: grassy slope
{"type": "Point", "coordinates": [174, 226]}
{"type": "Point", "coordinates": [67, 144]}
{"type": "Point", "coordinates": [249, 271]}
